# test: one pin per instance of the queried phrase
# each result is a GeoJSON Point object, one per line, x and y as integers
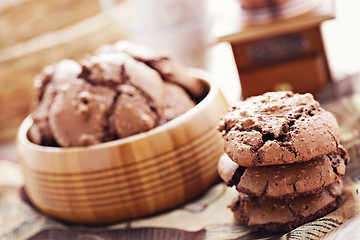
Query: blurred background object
{"type": "Point", "coordinates": [265, 11]}
{"type": "Point", "coordinates": [278, 48]}
{"type": "Point", "coordinates": [341, 42]}
{"type": "Point", "coordinates": [36, 33]}
{"type": "Point", "coordinates": [181, 27]}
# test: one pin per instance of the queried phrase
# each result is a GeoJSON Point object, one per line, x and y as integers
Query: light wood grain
{"type": "Point", "coordinates": [143, 172]}
{"type": "Point", "coordinates": [134, 209]}
{"type": "Point", "coordinates": [121, 187]}
{"type": "Point", "coordinates": [114, 196]}
{"type": "Point", "coordinates": [117, 181]}
{"type": "Point", "coordinates": [181, 152]}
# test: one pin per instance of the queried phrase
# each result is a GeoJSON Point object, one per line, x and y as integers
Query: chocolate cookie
{"type": "Point", "coordinates": [285, 181]}
{"type": "Point", "coordinates": [276, 215]}
{"type": "Point", "coordinates": [177, 102]}
{"type": "Point", "coordinates": [169, 69]}
{"type": "Point", "coordinates": [278, 128]}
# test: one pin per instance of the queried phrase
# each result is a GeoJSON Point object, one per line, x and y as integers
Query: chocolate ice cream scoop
{"type": "Point", "coordinates": [110, 95]}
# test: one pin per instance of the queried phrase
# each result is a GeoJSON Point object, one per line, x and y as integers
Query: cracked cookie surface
{"type": "Point", "coordinates": [284, 215]}
{"type": "Point", "coordinates": [285, 181]}
{"type": "Point", "coordinates": [108, 96]}
{"type": "Point", "coordinates": [278, 128]}
{"type": "Point", "coordinates": [169, 69]}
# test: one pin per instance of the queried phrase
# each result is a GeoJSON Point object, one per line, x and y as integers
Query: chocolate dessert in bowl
{"type": "Point", "coordinates": [126, 133]}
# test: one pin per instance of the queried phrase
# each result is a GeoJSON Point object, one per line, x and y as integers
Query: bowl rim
{"type": "Point", "coordinates": [195, 72]}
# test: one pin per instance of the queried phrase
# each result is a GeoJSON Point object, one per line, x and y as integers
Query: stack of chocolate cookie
{"type": "Point", "coordinates": [284, 158]}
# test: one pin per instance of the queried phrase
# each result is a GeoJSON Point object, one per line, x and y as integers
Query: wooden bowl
{"type": "Point", "coordinates": [111, 197]}
{"type": "Point", "coordinates": [118, 181]}
{"type": "Point", "coordinates": [110, 213]}
{"type": "Point", "coordinates": [122, 188]}
{"type": "Point", "coordinates": [131, 177]}
{"type": "Point", "coordinates": [159, 163]}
